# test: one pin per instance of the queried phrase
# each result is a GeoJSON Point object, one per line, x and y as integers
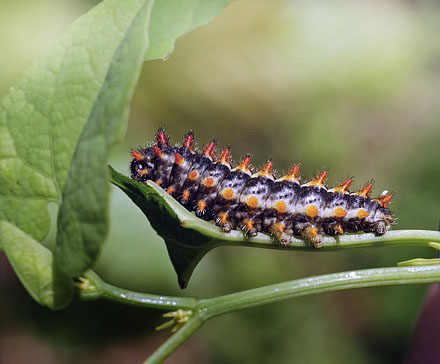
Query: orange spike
{"type": "Point", "coordinates": [292, 175]}
{"type": "Point", "coordinates": [136, 155]}
{"type": "Point", "coordinates": [321, 178]}
{"type": "Point", "coordinates": [157, 151]}
{"type": "Point", "coordinates": [365, 192]}
{"type": "Point", "coordinates": [245, 163]}
{"type": "Point", "coordinates": [295, 171]}
{"type": "Point", "coordinates": [385, 200]}
{"type": "Point", "coordinates": [267, 169]}
{"type": "Point", "coordinates": [161, 137]}
{"type": "Point", "coordinates": [318, 181]}
{"type": "Point", "coordinates": [224, 158]}
{"type": "Point", "coordinates": [344, 187]}
{"type": "Point", "coordinates": [189, 140]}
{"type": "Point", "coordinates": [210, 149]}
{"type": "Point", "coordinates": [178, 159]}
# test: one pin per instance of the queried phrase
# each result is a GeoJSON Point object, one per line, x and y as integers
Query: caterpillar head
{"type": "Point", "coordinates": [142, 166]}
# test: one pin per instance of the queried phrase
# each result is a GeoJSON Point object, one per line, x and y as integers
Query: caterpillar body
{"type": "Point", "coordinates": [237, 198]}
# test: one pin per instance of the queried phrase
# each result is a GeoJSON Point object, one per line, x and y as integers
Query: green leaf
{"type": "Point", "coordinates": [66, 96]}
{"type": "Point", "coordinates": [171, 19]}
{"type": "Point", "coordinates": [83, 216]}
{"type": "Point", "coordinates": [35, 266]}
{"type": "Point", "coordinates": [189, 238]}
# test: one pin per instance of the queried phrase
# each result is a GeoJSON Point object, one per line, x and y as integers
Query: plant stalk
{"type": "Point", "coordinates": [177, 339]}
{"type": "Point", "coordinates": [101, 289]}
{"type": "Point", "coordinates": [211, 307]}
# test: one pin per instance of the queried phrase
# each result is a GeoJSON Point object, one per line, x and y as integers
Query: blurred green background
{"type": "Point", "coordinates": [352, 87]}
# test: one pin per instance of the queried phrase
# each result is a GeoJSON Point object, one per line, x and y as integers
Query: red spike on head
{"type": "Point", "coordinates": [136, 155]}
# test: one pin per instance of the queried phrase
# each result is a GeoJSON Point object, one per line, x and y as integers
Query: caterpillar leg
{"type": "Point", "coordinates": [279, 232]}
{"type": "Point", "coordinates": [313, 234]}
{"type": "Point", "coordinates": [223, 220]}
{"type": "Point", "coordinates": [248, 227]}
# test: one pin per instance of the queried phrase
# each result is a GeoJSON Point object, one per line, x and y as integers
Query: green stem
{"type": "Point", "coordinates": [177, 339]}
{"type": "Point", "coordinates": [209, 308]}
{"type": "Point", "coordinates": [345, 241]}
{"type": "Point", "coordinates": [117, 294]}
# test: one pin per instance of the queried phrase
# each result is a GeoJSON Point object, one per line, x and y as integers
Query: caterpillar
{"type": "Point", "coordinates": [238, 198]}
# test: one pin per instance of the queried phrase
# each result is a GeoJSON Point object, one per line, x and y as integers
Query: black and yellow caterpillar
{"type": "Point", "coordinates": [237, 198]}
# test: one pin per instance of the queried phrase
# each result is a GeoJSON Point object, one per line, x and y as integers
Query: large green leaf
{"type": "Point", "coordinates": [83, 217]}
{"type": "Point", "coordinates": [171, 19]}
{"type": "Point", "coordinates": [77, 91]}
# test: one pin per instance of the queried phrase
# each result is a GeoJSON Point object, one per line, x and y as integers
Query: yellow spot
{"type": "Point", "coordinates": [362, 214]}
{"type": "Point", "coordinates": [143, 172]}
{"type": "Point", "coordinates": [186, 195]}
{"type": "Point", "coordinates": [228, 194]}
{"type": "Point", "coordinates": [201, 205]}
{"type": "Point", "coordinates": [312, 211]}
{"type": "Point", "coordinates": [170, 190]}
{"type": "Point", "coordinates": [280, 206]}
{"type": "Point", "coordinates": [340, 212]}
{"type": "Point", "coordinates": [193, 175]}
{"type": "Point", "coordinates": [208, 182]}
{"type": "Point", "coordinates": [252, 202]}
